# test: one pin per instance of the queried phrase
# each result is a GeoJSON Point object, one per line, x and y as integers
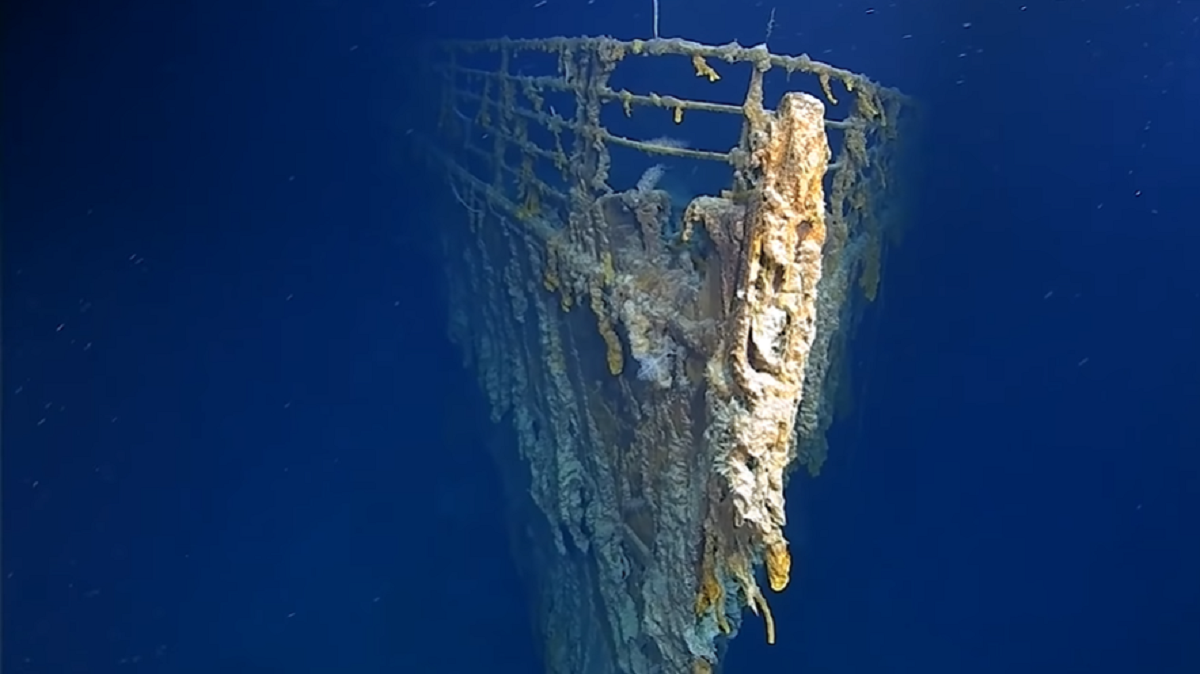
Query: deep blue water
{"type": "Point", "coordinates": [236, 439]}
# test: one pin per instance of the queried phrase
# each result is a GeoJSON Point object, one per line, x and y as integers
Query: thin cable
{"type": "Point", "coordinates": [655, 19]}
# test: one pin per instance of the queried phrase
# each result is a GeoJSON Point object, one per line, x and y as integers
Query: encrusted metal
{"type": "Point", "coordinates": [663, 363]}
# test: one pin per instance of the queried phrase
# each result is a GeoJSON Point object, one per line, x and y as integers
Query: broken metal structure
{"type": "Point", "coordinates": [663, 363]}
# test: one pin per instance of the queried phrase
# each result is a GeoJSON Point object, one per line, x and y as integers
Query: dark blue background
{"type": "Point", "coordinates": [236, 439]}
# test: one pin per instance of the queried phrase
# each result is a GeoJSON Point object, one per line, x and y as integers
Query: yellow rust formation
{"type": "Point", "coordinates": [653, 428]}
{"type": "Point", "coordinates": [774, 328]}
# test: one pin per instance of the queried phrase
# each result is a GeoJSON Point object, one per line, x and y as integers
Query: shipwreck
{"type": "Point", "coordinates": [661, 357]}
